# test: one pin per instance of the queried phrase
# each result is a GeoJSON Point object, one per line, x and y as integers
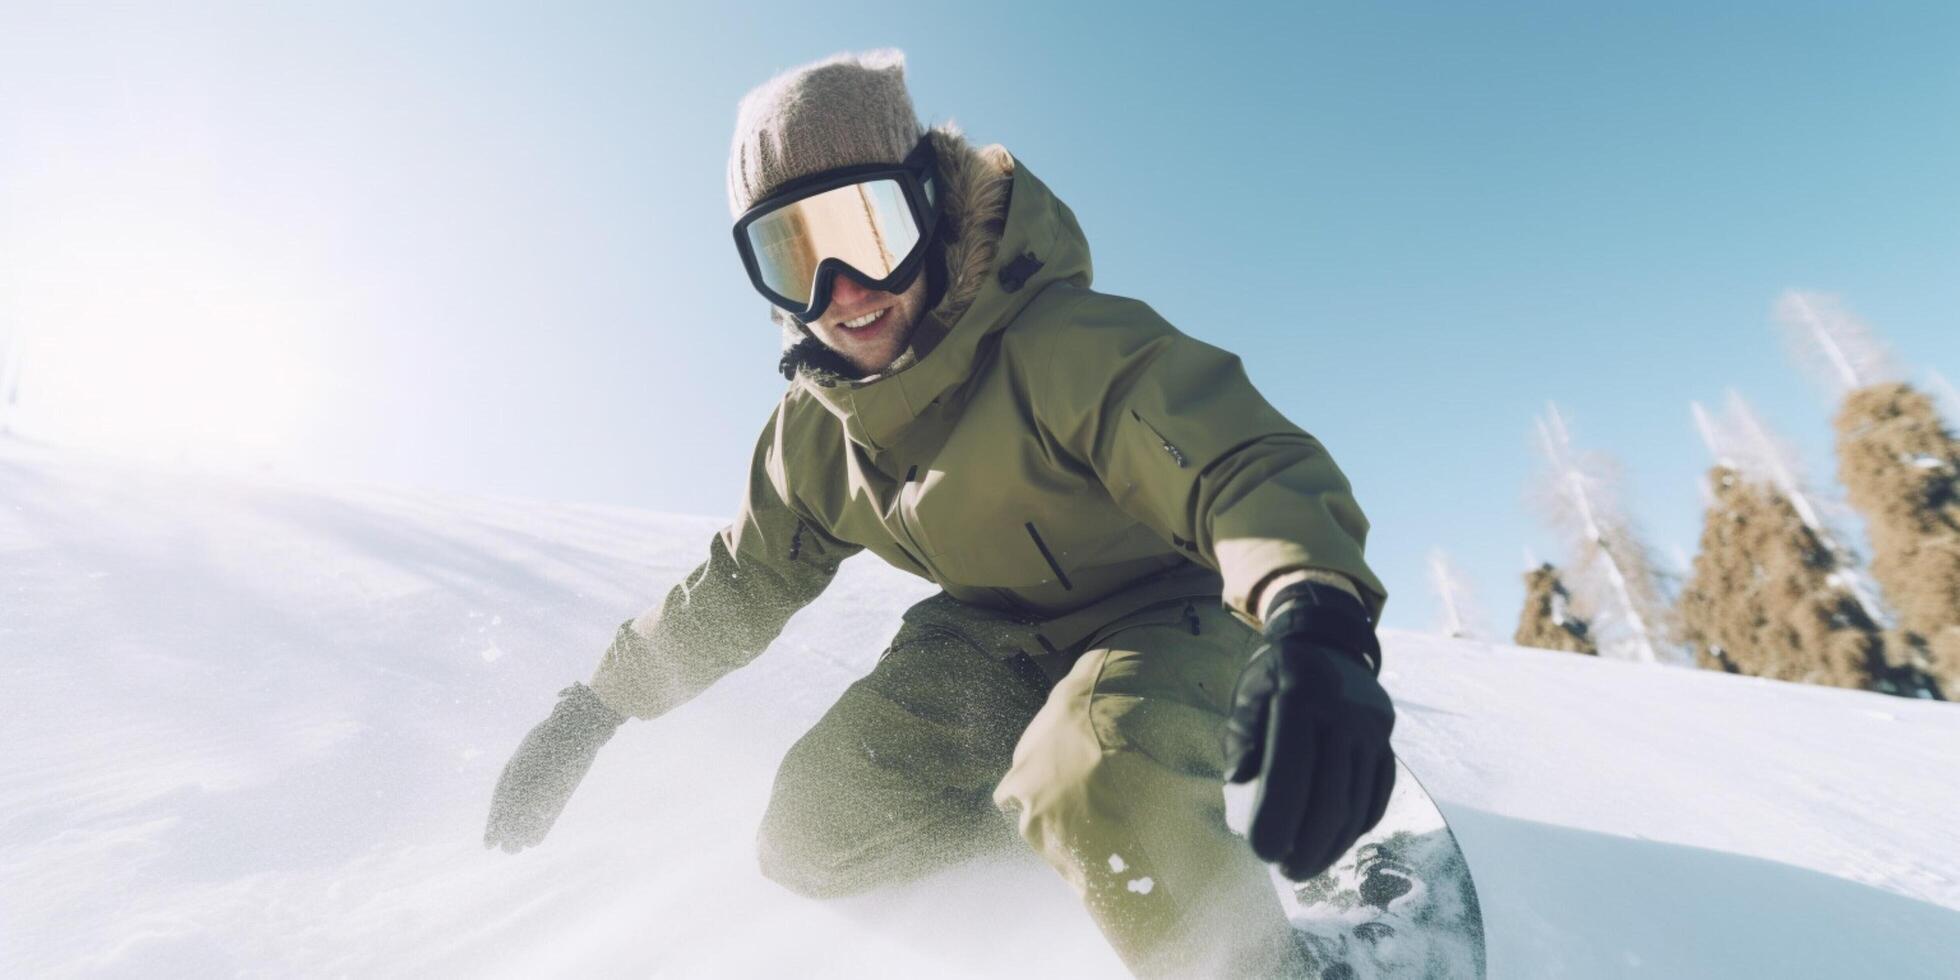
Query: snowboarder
{"type": "Point", "coordinates": [1152, 581]}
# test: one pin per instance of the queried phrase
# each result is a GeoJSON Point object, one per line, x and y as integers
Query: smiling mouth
{"type": "Point", "coordinates": [868, 320]}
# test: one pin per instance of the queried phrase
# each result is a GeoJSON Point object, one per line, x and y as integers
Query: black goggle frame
{"type": "Point", "coordinates": [917, 176]}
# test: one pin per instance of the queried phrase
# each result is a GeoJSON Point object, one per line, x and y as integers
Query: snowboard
{"type": "Point", "coordinates": [1400, 903]}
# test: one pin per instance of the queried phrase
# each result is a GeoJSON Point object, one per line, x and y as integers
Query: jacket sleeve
{"type": "Point", "coordinates": [1182, 440]}
{"type": "Point", "coordinates": [764, 566]}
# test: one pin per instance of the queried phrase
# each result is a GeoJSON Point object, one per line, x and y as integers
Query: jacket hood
{"type": "Point", "coordinates": [1003, 238]}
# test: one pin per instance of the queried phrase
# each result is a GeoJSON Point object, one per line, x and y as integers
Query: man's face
{"type": "Point", "coordinates": [870, 347]}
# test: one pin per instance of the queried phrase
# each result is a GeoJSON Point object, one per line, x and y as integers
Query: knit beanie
{"type": "Point", "coordinates": [841, 111]}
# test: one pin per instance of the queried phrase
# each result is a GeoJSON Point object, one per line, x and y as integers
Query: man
{"type": "Point", "coordinates": [1152, 582]}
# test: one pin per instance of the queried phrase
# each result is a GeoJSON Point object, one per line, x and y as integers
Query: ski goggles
{"type": "Point", "coordinates": [870, 222]}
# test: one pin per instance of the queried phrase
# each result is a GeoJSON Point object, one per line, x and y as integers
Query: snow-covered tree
{"type": "Point", "coordinates": [1548, 620]}
{"type": "Point", "coordinates": [1768, 598]}
{"type": "Point", "coordinates": [1612, 570]}
{"type": "Point", "coordinates": [1900, 466]}
{"type": "Point", "coordinates": [1741, 442]}
{"type": "Point", "coordinates": [1461, 615]}
{"type": "Point", "coordinates": [1840, 352]}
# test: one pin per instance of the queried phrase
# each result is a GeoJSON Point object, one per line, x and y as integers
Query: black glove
{"type": "Point", "coordinates": [547, 766]}
{"type": "Point", "coordinates": [1309, 718]}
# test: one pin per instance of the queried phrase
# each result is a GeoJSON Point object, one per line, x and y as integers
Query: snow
{"type": "Point", "coordinates": [253, 725]}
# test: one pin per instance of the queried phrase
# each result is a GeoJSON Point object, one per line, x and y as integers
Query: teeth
{"type": "Point", "coordinates": [865, 319]}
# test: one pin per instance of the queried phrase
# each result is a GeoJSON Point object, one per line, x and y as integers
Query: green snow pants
{"type": "Point", "coordinates": [1106, 758]}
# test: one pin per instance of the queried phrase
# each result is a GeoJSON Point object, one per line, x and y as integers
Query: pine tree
{"type": "Point", "coordinates": [1612, 573]}
{"type": "Point", "coordinates": [1548, 620]}
{"type": "Point", "coordinates": [1900, 465]}
{"type": "Point", "coordinates": [1767, 597]}
{"type": "Point", "coordinates": [1462, 616]}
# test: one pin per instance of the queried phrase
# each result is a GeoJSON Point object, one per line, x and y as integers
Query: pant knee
{"type": "Point", "coordinates": [806, 841]}
{"type": "Point", "coordinates": [1093, 791]}
{"type": "Point", "coordinates": [1060, 778]}
{"type": "Point", "coordinates": [819, 848]}
{"type": "Point", "coordinates": [787, 863]}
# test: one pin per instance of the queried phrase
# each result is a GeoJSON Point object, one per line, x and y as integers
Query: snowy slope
{"type": "Point", "coordinates": [252, 725]}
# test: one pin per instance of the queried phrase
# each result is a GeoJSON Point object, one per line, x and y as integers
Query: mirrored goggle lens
{"type": "Point", "coordinates": [868, 225]}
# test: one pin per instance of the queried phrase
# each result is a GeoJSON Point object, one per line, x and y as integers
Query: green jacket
{"type": "Point", "coordinates": [1055, 455]}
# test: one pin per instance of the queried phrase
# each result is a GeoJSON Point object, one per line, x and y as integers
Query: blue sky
{"type": "Point", "coordinates": [485, 247]}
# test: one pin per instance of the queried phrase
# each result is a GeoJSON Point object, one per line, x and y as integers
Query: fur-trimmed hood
{"type": "Point", "coordinates": [975, 184]}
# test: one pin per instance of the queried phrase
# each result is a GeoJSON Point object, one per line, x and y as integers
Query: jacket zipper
{"type": "Point", "coordinates": [1176, 454]}
{"type": "Point", "coordinates": [1048, 557]}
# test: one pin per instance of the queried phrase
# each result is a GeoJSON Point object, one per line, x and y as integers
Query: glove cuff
{"type": "Point", "coordinates": [1326, 616]}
